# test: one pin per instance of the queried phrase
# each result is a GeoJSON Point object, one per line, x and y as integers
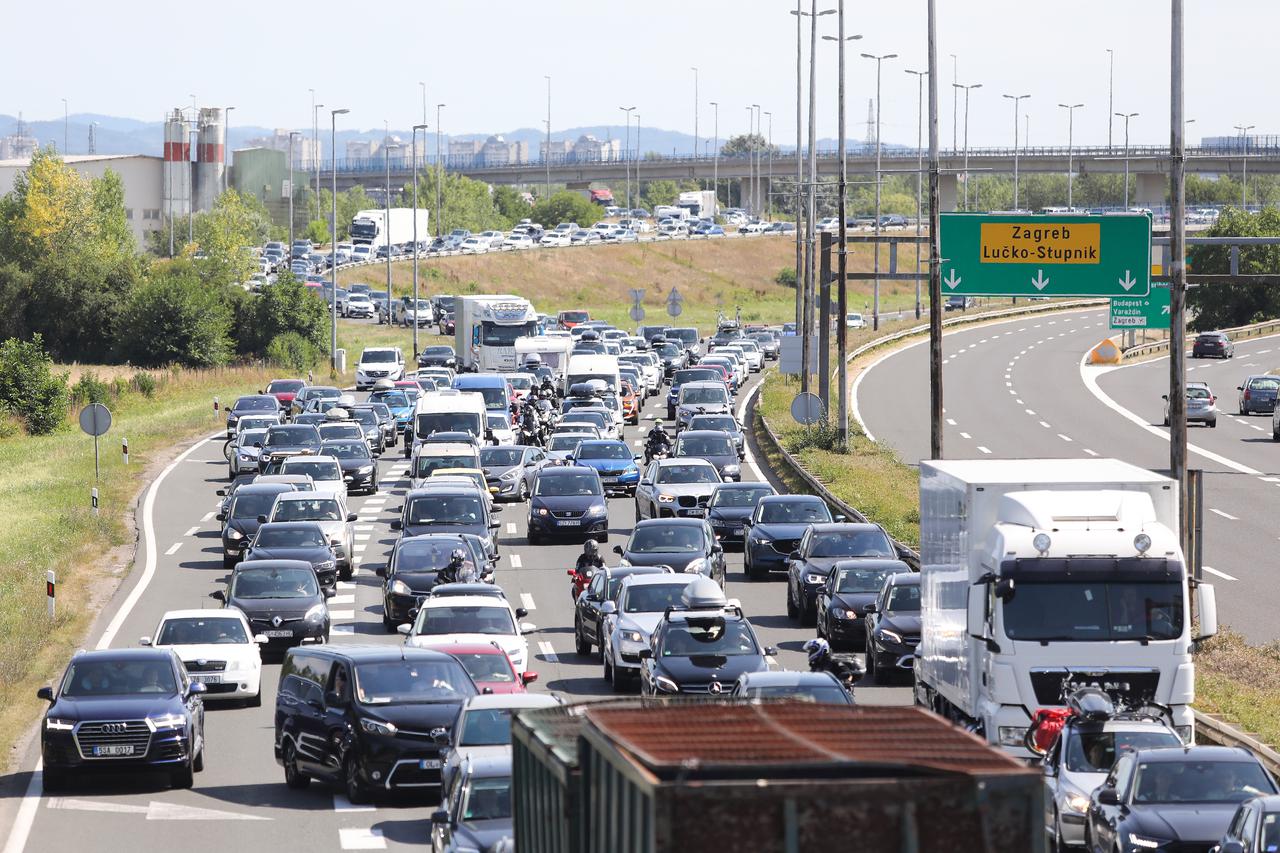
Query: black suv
{"type": "Point", "coordinates": [123, 709]}
{"type": "Point", "coordinates": [366, 718]}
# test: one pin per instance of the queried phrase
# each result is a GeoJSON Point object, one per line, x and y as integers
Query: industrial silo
{"type": "Point", "coordinates": [210, 158]}
{"type": "Point", "coordinates": [177, 166]}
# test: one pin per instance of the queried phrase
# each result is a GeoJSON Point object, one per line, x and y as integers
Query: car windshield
{"type": "Point", "coordinates": [369, 417]}
{"type": "Point", "coordinates": [406, 682]}
{"type": "Point", "coordinates": [701, 374]}
{"type": "Point", "coordinates": [391, 399]}
{"type": "Point", "coordinates": [670, 350]}
{"type": "Point", "coordinates": [425, 553]}
{"type": "Point", "coordinates": [346, 450]}
{"type": "Point", "coordinates": [1264, 384]}
{"type": "Point", "coordinates": [724, 423]}
{"type": "Point", "coordinates": [564, 442]}
{"type": "Point", "coordinates": [652, 598]}
{"type": "Point", "coordinates": [256, 404]}
{"type": "Point", "coordinates": [1086, 611]}
{"type": "Point", "coordinates": [852, 543]}
{"type": "Point", "coordinates": [252, 505]}
{"type": "Point", "coordinates": [703, 397]}
{"type": "Point", "coordinates": [802, 693]}
{"type": "Point", "coordinates": [293, 436]}
{"type": "Point", "coordinates": [685, 336]}
{"type": "Point", "coordinates": [276, 536]}
{"type": "Point", "coordinates": [250, 436]}
{"type": "Point", "coordinates": [568, 484]}
{"type": "Point", "coordinates": [285, 386]}
{"type": "Point", "coordinates": [1198, 394]}
{"type": "Point", "coordinates": [1096, 751]}
{"type": "Point", "coordinates": [739, 497]}
{"type": "Point", "coordinates": [377, 356]}
{"type": "Point", "coordinates": [667, 539]}
{"type": "Point", "coordinates": [677, 474]}
{"type": "Point", "coordinates": [904, 598]}
{"type": "Point", "coordinates": [308, 509]}
{"type": "Point", "coordinates": [596, 419]}
{"type": "Point", "coordinates": [521, 383]}
{"type": "Point", "coordinates": [500, 457]}
{"type": "Point", "coordinates": [464, 619]}
{"type": "Point", "coordinates": [201, 631]}
{"type": "Point", "coordinates": [487, 667]}
{"type": "Point", "coordinates": [861, 580]}
{"type": "Point", "coordinates": [427, 465]}
{"type": "Point", "coordinates": [708, 636]}
{"type": "Point", "coordinates": [1200, 782]}
{"type": "Point", "coordinates": [488, 798]}
{"type": "Point", "coordinates": [118, 678]}
{"type": "Point", "coordinates": [613, 450]}
{"type": "Point", "coordinates": [486, 726]}
{"type": "Point", "coordinates": [316, 469]}
{"type": "Point", "coordinates": [446, 509]}
{"type": "Point", "coordinates": [274, 583]}
{"type": "Point", "coordinates": [710, 445]}
{"type": "Point", "coordinates": [497, 421]}
{"type": "Point", "coordinates": [334, 432]}
{"type": "Point", "coordinates": [446, 352]}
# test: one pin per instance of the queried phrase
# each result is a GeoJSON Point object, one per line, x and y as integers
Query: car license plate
{"type": "Point", "coordinates": [278, 633]}
{"type": "Point", "coordinates": [113, 750]}
{"type": "Point", "coordinates": [207, 679]}
{"type": "Point", "coordinates": [429, 764]}
{"type": "Point", "coordinates": [571, 522]}
{"type": "Point", "coordinates": [739, 531]}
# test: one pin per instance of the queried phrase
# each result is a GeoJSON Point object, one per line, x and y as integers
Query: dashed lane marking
{"type": "Point", "coordinates": [951, 421]}
{"type": "Point", "coordinates": [1228, 516]}
{"type": "Point", "coordinates": [1211, 570]}
{"type": "Point", "coordinates": [511, 527]}
{"type": "Point", "coordinates": [527, 600]}
{"type": "Point", "coordinates": [342, 614]}
{"type": "Point", "coordinates": [983, 449]}
{"type": "Point", "coordinates": [548, 654]}
{"type": "Point", "coordinates": [207, 516]}
{"type": "Point", "coordinates": [342, 804]}
{"type": "Point", "coordinates": [192, 532]}
{"type": "Point", "coordinates": [1090, 452]}
{"type": "Point", "coordinates": [1045, 425]}
{"type": "Point", "coordinates": [343, 599]}
{"type": "Point", "coordinates": [1064, 437]}
{"type": "Point", "coordinates": [173, 549]}
{"type": "Point", "coordinates": [965, 435]}
{"type": "Point", "coordinates": [515, 561]}
{"type": "Point", "coordinates": [362, 838]}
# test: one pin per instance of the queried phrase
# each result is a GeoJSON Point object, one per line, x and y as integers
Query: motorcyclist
{"type": "Point", "coordinates": [657, 439]}
{"type": "Point", "coordinates": [453, 572]}
{"type": "Point", "coordinates": [821, 660]}
{"type": "Point", "coordinates": [547, 390]}
{"type": "Point", "coordinates": [588, 561]}
{"type": "Point", "coordinates": [529, 423]}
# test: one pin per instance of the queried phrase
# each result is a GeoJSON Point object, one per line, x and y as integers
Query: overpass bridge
{"type": "Point", "coordinates": [1148, 164]}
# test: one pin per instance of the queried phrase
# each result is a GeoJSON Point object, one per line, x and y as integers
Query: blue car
{"type": "Point", "coordinates": [400, 405]}
{"type": "Point", "coordinates": [613, 461]}
{"type": "Point", "coordinates": [773, 531]}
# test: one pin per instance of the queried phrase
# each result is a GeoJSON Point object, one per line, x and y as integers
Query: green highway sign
{"type": "Point", "coordinates": [994, 254]}
{"type": "Point", "coordinates": [1141, 312]}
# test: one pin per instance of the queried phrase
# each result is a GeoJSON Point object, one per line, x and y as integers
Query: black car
{"type": "Point", "coordinates": [731, 505]}
{"type": "Point", "coordinates": [893, 627]}
{"type": "Point", "coordinates": [603, 586]}
{"type": "Point", "coordinates": [240, 518]}
{"type": "Point", "coordinates": [568, 501]}
{"type": "Point", "coordinates": [684, 544]}
{"type": "Point", "coordinates": [253, 404]}
{"type": "Point", "coordinates": [850, 588]}
{"type": "Point", "coordinates": [725, 423]}
{"type": "Point", "coordinates": [820, 548]}
{"type": "Point", "coordinates": [712, 445]}
{"type": "Point", "coordinates": [1172, 798]}
{"type": "Point", "coordinates": [448, 509]}
{"type": "Point", "coordinates": [296, 540]}
{"type": "Point", "coordinates": [119, 710]}
{"type": "Point", "coordinates": [288, 440]}
{"type": "Point", "coordinates": [821, 687]}
{"type": "Point", "coordinates": [775, 528]}
{"type": "Point", "coordinates": [687, 374]}
{"type": "Point", "coordinates": [1255, 828]}
{"type": "Point", "coordinates": [438, 356]}
{"type": "Point", "coordinates": [1213, 345]}
{"type": "Point", "coordinates": [1258, 394]}
{"type": "Point", "coordinates": [281, 599]}
{"type": "Point", "coordinates": [363, 718]}
{"type": "Point", "coordinates": [377, 424]}
{"type": "Point", "coordinates": [674, 357]}
{"type": "Point", "coordinates": [359, 468]}
{"type": "Point", "coordinates": [411, 572]}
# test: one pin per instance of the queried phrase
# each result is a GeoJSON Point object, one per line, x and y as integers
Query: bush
{"type": "Point", "coordinates": [90, 389]}
{"type": "Point", "coordinates": [291, 351]}
{"type": "Point", "coordinates": [786, 277]}
{"type": "Point", "coordinates": [29, 389]}
{"type": "Point", "coordinates": [566, 206]}
{"type": "Point", "coordinates": [144, 383]}
{"type": "Point", "coordinates": [175, 318]}
{"type": "Point", "coordinates": [317, 231]}
{"type": "Point", "coordinates": [284, 307]}
{"type": "Point", "coordinates": [824, 435]}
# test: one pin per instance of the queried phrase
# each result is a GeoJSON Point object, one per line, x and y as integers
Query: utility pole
{"type": "Point", "coordinates": [439, 175]}
{"type": "Point", "coordinates": [333, 306]}
{"type": "Point", "coordinates": [800, 303]}
{"type": "Point", "coordinates": [875, 293]}
{"type": "Point", "coordinates": [1178, 279]}
{"type": "Point", "coordinates": [769, 189]}
{"type": "Point", "coordinates": [1126, 117]}
{"type": "Point", "coordinates": [416, 128]}
{"type": "Point", "coordinates": [1071, 170]}
{"type": "Point", "coordinates": [920, 75]}
{"type": "Point", "coordinates": [315, 147]}
{"type": "Point", "coordinates": [695, 110]}
{"type": "Point", "coordinates": [292, 134]}
{"type": "Point", "coordinates": [715, 164]}
{"type": "Point", "coordinates": [935, 268]}
{"type": "Point", "coordinates": [547, 158]}
{"type": "Point", "coordinates": [967, 89]}
{"type": "Point", "coordinates": [626, 160]}
{"type": "Point", "coordinates": [226, 124]}
{"type": "Point", "coordinates": [842, 268]}
{"type": "Point", "coordinates": [1017, 100]}
{"type": "Point", "coordinates": [1244, 166]}
{"type": "Point", "coordinates": [1111, 92]}
{"type": "Point", "coordinates": [387, 148]}
{"type": "Point", "coordinates": [955, 98]}
{"type": "Point", "coordinates": [811, 205]}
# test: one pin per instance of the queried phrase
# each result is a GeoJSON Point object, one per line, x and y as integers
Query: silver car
{"type": "Point", "coordinates": [1201, 406]}
{"type": "Point", "coordinates": [329, 510]}
{"type": "Point", "coordinates": [701, 398]}
{"type": "Point", "coordinates": [676, 488]}
{"type": "Point", "coordinates": [510, 469]}
{"type": "Point", "coordinates": [483, 729]}
{"type": "Point", "coordinates": [627, 625]}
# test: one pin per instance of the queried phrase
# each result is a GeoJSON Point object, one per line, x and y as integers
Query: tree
{"type": "Point", "coordinates": [177, 318]}
{"type": "Point", "coordinates": [29, 389]}
{"type": "Point", "coordinates": [654, 193]}
{"type": "Point", "coordinates": [1217, 306]}
{"type": "Point", "coordinates": [284, 307]}
{"type": "Point", "coordinates": [746, 143]}
{"type": "Point", "coordinates": [466, 203]}
{"type": "Point", "coordinates": [224, 233]}
{"type": "Point", "coordinates": [510, 204]}
{"type": "Point", "coordinates": [565, 206]}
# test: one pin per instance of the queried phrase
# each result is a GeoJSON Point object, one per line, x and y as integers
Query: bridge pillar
{"type": "Point", "coordinates": [948, 193]}
{"type": "Point", "coordinates": [1151, 189]}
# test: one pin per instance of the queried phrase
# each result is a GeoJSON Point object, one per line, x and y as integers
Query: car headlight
{"type": "Point", "coordinates": [365, 469]}
{"type": "Point", "coordinates": [378, 727]}
{"type": "Point", "coordinates": [731, 470]}
{"type": "Point", "coordinates": [815, 578]}
{"type": "Point", "coordinates": [697, 566]}
{"type": "Point", "coordinates": [510, 475]}
{"type": "Point", "coordinates": [1143, 842]}
{"type": "Point", "coordinates": [598, 509]}
{"type": "Point", "coordinates": [1012, 735]}
{"type": "Point", "coordinates": [317, 613]}
{"type": "Point", "coordinates": [542, 510]}
{"type": "Point", "coordinates": [842, 613]}
{"type": "Point", "coordinates": [893, 637]}
{"type": "Point", "coordinates": [666, 685]}
{"type": "Point", "coordinates": [54, 724]}
{"type": "Point", "coordinates": [399, 587]}
{"type": "Point", "coordinates": [763, 541]}
{"type": "Point", "coordinates": [326, 565]}
{"type": "Point", "coordinates": [167, 721]}
{"type": "Point", "coordinates": [666, 499]}
{"type": "Point", "coordinates": [234, 534]}
{"type": "Point", "coordinates": [1077, 803]}
{"type": "Point", "coordinates": [630, 636]}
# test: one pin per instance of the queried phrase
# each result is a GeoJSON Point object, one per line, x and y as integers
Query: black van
{"type": "Point", "coordinates": [366, 718]}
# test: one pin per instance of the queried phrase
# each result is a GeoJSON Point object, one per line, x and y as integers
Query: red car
{"type": "Point", "coordinates": [488, 666]}
{"type": "Point", "coordinates": [284, 390]}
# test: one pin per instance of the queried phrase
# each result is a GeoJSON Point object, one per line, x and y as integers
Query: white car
{"type": "Point", "coordinates": [854, 320]}
{"type": "Point", "coordinates": [361, 253]}
{"type": "Point", "coordinates": [359, 305]}
{"type": "Point", "coordinates": [324, 471]}
{"type": "Point", "coordinates": [474, 245]}
{"type": "Point", "coordinates": [753, 353]}
{"type": "Point", "coordinates": [672, 228]}
{"type": "Point", "coordinates": [518, 241]}
{"type": "Point", "coordinates": [493, 238]}
{"type": "Point", "coordinates": [379, 363]}
{"type": "Point", "coordinates": [628, 623]}
{"type": "Point", "coordinates": [829, 224]}
{"type": "Point", "coordinates": [555, 238]}
{"type": "Point", "coordinates": [218, 649]}
{"type": "Point", "coordinates": [244, 455]}
{"type": "Point", "coordinates": [472, 619]}
{"type": "Point", "coordinates": [500, 425]}
{"type": "Point", "coordinates": [754, 227]}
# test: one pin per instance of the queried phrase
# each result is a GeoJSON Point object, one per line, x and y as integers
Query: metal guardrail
{"type": "Point", "coordinates": [1254, 330]}
{"type": "Point", "coordinates": [1214, 730]}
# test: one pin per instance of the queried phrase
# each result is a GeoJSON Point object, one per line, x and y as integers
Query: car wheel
{"type": "Point", "coordinates": [229, 563]}
{"type": "Point", "coordinates": [522, 493]}
{"type": "Point", "coordinates": [1166, 420]}
{"type": "Point", "coordinates": [183, 778]}
{"type": "Point", "coordinates": [580, 644]}
{"type": "Point", "coordinates": [1213, 424]}
{"type": "Point", "coordinates": [792, 610]}
{"type": "Point", "coordinates": [354, 790]}
{"type": "Point", "coordinates": [344, 572]}
{"type": "Point", "coordinates": [872, 670]}
{"type": "Point", "coordinates": [198, 763]}
{"type": "Point", "coordinates": [1055, 842]}
{"type": "Point", "coordinates": [389, 624]}
{"type": "Point", "coordinates": [607, 660]}
{"type": "Point", "coordinates": [1275, 436]}
{"type": "Point", "coordinates": [808, 618]}
{"type": "Point", "coordinates": [602, 538]}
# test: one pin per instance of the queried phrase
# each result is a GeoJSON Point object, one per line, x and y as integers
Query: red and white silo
{"type": "Point", "coordinates": [210, 157]}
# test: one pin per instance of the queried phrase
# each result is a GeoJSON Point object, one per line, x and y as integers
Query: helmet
{"type": "Point", "coordinates": [818, 650]}
{"type": "Point", "coordinates": [589, 548]}
{"type": "Point", "coordinates": [458, 556]}
{"type": "Point", "coordinates": [532, 361]}
{"type": "Point", "coordinates": [384, 385]}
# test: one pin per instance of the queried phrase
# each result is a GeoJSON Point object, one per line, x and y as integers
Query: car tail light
{"type": "Point", "coordinates": [1246, 393]}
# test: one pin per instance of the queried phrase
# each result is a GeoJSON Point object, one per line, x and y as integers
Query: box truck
{"type": "Point", "coordinates": [699, 204]}
{"type": "Point", "coordinates": [487, 328]}
{"type": "Point", "coordinates": [378, 228]}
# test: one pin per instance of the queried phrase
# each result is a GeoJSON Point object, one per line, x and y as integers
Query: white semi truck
{"type": "Point", "coordinates": [378, 228]}
{"type": "Point", "coordinates": [553, 351]}
{"type": "Point", "coordinates": [698, 203]}
{"type": "Point", "coordinates": [487, 328]}
{"type": "Point", "coordinates": [1041, 576]}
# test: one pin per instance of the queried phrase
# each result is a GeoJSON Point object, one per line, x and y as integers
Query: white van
{"type": "Point", "coordinates": [585, 367]}
{"type": "Point", "coordinates": [449, 410]}
{"type": "Point", "coordinates": [379, 363]}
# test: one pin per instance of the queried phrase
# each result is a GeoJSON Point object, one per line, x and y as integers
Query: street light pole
{"type": "Point", "coordinates": [626, 159]}
{"type": "Point", "coordinates": [416, 128]}
{"type": "Point", "coordinates": [226, 171]}
{"type": "Point", "coordinates": [387, 148]}
{"type": "Point", "coordinates": [755, 156]}
{"type": "Point", "coordinates": [1017, 100]}
{"type": "Point", "coordinates": [875, 293]}
{"type": "Point", "coordinates": [966, 137]}
{"type": "Point", "coordinates": [745, 193]}
{"type": "Point", "coordinates": [715, 164]}
{"type": "Point", "coordinates": [1111, 92]}
{"type": "Point", "coordinates": [1178, 277]}
{"type": "Point", "coordinates": [292, 134]}
{"type": "Point", "coordinates": [1244, 166]}
{"type": "Point", "coordinates": [935, 266]}
{"type": "Point", "coordinates": [801, 315]}
{"type": "Point", "coordinates": [1071, 171]}
{"type": "Point", "coordinates": [547, 158]}
{"type": "Point", "coordinates": [769, 191]}
{"type": "Point", "coordinates": [842, 266]}
{"type": "Point", "coordinates": [439, 175]}
{"type": "Point", "coordinates": [695, 109]}
{"type": "Point", "coordinates": [1126, 117]}
{"type": "Point", "coordinates": [333, 270]}
{"type": "Point", "coordinates": [315, 145]}
{"type": "Point", "coordinates": [955, 98]}
{"type": "Point", "coordinates": [920, 75]}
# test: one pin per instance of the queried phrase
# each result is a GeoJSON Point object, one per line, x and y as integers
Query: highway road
{"type": "Point", "coordinates": [1018, 389]}
{"type": "Point", "coordinates": [240, 801]}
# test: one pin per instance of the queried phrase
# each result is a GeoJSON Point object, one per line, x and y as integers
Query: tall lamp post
{"type": "Point", "coordinates": [875, 293]}
{"type": "Point", "coordinates": [1071, 170]}
{"type": "Point", "coordinates": [416, 128]}
{"type": "Point", "coordinates": [315, 144]}
{"type": "Point", "coordinates": [292, 134]}
{"type": "Point", "coordinates": [66, 126]}
{"type": "Point", "coordinates": [695, 109]}
{"type": "Point", "coordinates": [1111, 92]}
{"type": "Point", "coordinates": [920, 75]}
{"type": "Point", "coordinates": [626, 158]}
{"type": "Point", "coordinates": [547, 159]}
{"type": "Point", "coordinates": [1126, 117]}
{"type": "Point", "coordinates": [333, 227]}
{"type": "Point", "coordinates": [1017, 100]}
{"type": "Point", "coordinates": [715, 164]}
{"type": "Point", "coordinates": [439, 175]}
{"type": "Point", "coordinates": [387, 148]}
{"type": "Point", "coordinates": [967, 89]}
{"type": "Point", "coordinates": [226, 129]}
{"type": "Point", "coordinates": [769, 188]}
{"type": "Point", "coordinates": [1244, 165]}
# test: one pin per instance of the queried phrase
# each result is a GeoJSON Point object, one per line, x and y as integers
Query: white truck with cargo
{"type": "Point", "coordinates": [699, 203]}
{"type": "Point", "coordinates": [1041, 576]}
{"type": "Point", "coordinates": [394, 227]}
{"type": "Point", "coordinates": [487, 328]}
{"type": "Point", "coordinates": [552, 351]}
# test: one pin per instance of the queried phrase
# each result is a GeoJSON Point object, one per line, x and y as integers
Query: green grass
{"type": "Point", "coordinates": [45, 503]}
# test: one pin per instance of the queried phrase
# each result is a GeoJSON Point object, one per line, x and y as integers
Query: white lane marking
{"type": "Point", "coordinates": [364, 527]}
{"type": "Point", "coordinates": [192, 532]}
{"type": "Point", "coordinates": [1008, 384]}
{"type": "Point", "coordinates": [342, 614]}
{"type": "Point", "coordinates": [527, 600]}
{"type": "Point", "coordinates": [742, 408]}
{"type": "Point", "coordinates": [208, 515]}
{"type": "Point", "coordinates": [362, 537]}
{"type": "Point", "coordinates": [346, 585]}
{"type": "Point", "coordinates": [1270, 479]}
{"type": "Point", "coordinates": [515, 561]}
{"type": "Point", "coordinates": [1090, 452]}
{"type": "Point", "coordinates": [376, 501]}
{"type": "Point", "coordinates": [965, 435]}
{"type": "Point", "coordinates": [343, 599]}
{"type": "Point", "coordinates": [1228, 516]}
{"type": "Point", "coordinates": [1263, 351]}
{"type": "Point", "coordinates": [342, 804]}
{"type": "Point", "coordinates": [173, 549]}
{"type": "Point", "coordinates": [1258, 428]}
{"type": "Point", "coordinates": [548, 653]}
{"type": "Point", "coordinates": [1090, 378]}
{"type": "Point", "coordinates": [1045, 425]}
{"type": "Point", "coordinates": [983, 449]}
{"type": "Point", "coordinates": [359, 546]}
{"type": "Point", "coordinates": [1211, 570]}
{"type": "Point", "coordinates": [1064, 437]}
{"type": "Point", "coordinates": [342, 629]}
{"type": "Point", "coordinates": [153, 810]}
{"type": "Point", "coordinates": [951, 421]}
{"type": "Point", "coordinates": [361, 838]}
{"type": "Point", "coordinates": [1019, 402]}
{"type": "Point", "coordinates": [511, 527]}
{"type": "Point", "coordinates": [637, 442]}
{"type": "Point", "coordinates": [1031, 412]}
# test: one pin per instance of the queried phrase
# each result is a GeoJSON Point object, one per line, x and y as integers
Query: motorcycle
{"type": "Point", "coordinates": [529, 438]}
{"type": "Point", "coordinates": [844, 667]}
{"type": "Point", "coordinates": [654, 451]}
{"type": "Point", "coordinates": [578, 582]}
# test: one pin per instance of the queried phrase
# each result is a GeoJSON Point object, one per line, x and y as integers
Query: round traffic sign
{"type": "Point", "coordinates": [95, 419]}
{"type": "Point", "coordinates": [806, 408]}
{"type": "Point", "coordinates": [637, 313]}
{"type": "Point", "coordinates": [674, 309]}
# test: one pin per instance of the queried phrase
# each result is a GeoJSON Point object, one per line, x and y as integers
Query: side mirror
{"type": "Point", "coordinates": [868, 608]}
{"type": "Point", "coordinates": [529, 677]}
{"type": "Point", "coordinates": [45, 693]}
{"type": "Point", "coordinates": [381, 571]}
{"type": "Point", "coordinates": [258, 444]}
{"type": "Point", "coordinates": [222, 516]}
{"type": "Point", "coordinates": [397, 524]}
{"type": "Point", "coordinates": [646, 482]}
{"type": "Point", "coordinates": [521, 613]}
{"type": "Point", "coordinates": [794, 555]}
{"type": "Point", "coordinates": [977, 611]}
{"type": "Point", "coordinates": [404, 629]}
{"type": "Point", "coordinates": [330, 592]}
{"type": "Point", "coordinates": [440, 736]}
{"type": "Point", "coordinates": [1231, 847]}
{"type": "Point", "coordinates": [440, 816]}
{"type": "Point", "coordinates": [351, 516]}
{"type": "Point", "coordinates": [1109, 797]}
{"type": "Point", "coordinates": [262, 519]}
{"type": "Point", "coordinates": [608, 608]}
{"type": "Point", "coordinates": [261, 639]}
{"type": "Point", "coordinates": [144, 641]}
{"type": "Point", "coordinates": [771, 651]}
{"type": "Point", "coordinates": [1239, 387]}
{"type": "Point", "coordinates": [838, 517]}
{"type": "Point", "coordinates": [218, 595]}
{"type": "Point", "coordinates": [1164, 397]}
{"type": "Point", "coordinates": [571, 572]}
{"type": "Point", "coordinates": [196, 688]}
{"type": "Point", "coordinates": [497, 509]}
{"type": "Point", "coordinates": [617, 549]}
{"type": "Point", "coordinates": [1207, 608]}
{"type": "Point", "coordinates": [1004, 588]}
{"type": "Point", "coordinates": [222, 493]}
{"type": "Point", "coordinates": [645, 654]}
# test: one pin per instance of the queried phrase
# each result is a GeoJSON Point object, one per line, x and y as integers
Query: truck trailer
{"type": "Point", "coordinates": [487, 327]}
{"type": "Point", "coordinates": [1041, 576]}
{"type": "Point", "coordinates": [394, 227]}
{"type": "Point", "coordinates": [699, 203]}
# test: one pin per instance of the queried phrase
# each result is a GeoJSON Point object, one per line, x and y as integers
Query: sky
{"type": "Point", "coordinates": [487, 62]}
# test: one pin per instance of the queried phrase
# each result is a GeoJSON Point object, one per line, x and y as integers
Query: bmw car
{"type": "Point", "coordinates": [613, 461]}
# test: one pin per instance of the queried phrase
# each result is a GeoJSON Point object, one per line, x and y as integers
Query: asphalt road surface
{"type": "Point", "coordinates": [240, 801]}
{"type": "Point", "coordinates": [1018, 389]}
